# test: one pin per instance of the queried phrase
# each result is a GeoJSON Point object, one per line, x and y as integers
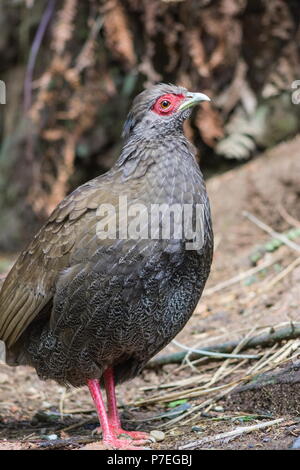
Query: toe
{"type": "Point", "coordinates": [135, 435]}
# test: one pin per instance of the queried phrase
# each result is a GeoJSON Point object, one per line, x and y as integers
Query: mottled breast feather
{"type": "Point", "coordinates": [74, 304]}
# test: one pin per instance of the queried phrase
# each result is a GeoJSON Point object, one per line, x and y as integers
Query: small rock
{"type": "Point", "coordinates": [296, 444]}
{"type": "Point", "coordinates": [218, 408]}
{"type": "Point", "coordinates": [51, 437]}
{"type": "Point", "coordinates": [158, 436]}
{"type": "Point", "coordinates": [197, 429]}
{"type": "Point", "coordinates": [46, 404]}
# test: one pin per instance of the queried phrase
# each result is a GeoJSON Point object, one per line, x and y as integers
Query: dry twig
{"type": "Point", "coordinates": [263, 340]}
{"type": "Point", "coordinates": [287, 217]}
{"type": "Point", "coordinates": [241, 276]}
{"type": "Point", "coordinates": [231, 434]}
{"type": "Point", "coordinates": [270, 231]}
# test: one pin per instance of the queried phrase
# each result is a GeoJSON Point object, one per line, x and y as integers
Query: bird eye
{"type": "Point", "coordinates": [165, 104]}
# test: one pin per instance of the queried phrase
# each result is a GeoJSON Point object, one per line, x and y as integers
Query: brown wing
{"type": "Point", "coordinates": [30, 285]}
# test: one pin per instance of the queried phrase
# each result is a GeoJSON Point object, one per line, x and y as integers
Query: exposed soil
{"type": "Point", "coordinates": [32, 412]}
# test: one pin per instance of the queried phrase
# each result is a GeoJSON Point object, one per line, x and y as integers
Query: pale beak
{"type": "Point", "coordinates": [192, 99]}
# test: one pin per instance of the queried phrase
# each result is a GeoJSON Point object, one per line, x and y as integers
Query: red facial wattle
{"type": "Point", "coordinates": [162, 109]}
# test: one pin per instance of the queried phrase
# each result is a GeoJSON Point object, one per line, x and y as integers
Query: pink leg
{"type": "Point", "coordinates": [113, 415]}
{"type": "Point", "coordinates": [110, 437]}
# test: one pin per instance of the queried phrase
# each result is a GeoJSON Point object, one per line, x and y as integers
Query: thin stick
{"type": "Point", "coordinates": [204, 352]}
{"type": "Point", "coordinates": [47, 15]}
{"type": "Point", "coordinates": [94, 31]}
{"type": "Point", "coordinates": [61, 403]}
{"type": "Point", "coordinates": [287, 217]}
{"type": "Point", "coordinates": [191, 393]}
{"type": "Point", "coordinates": [202, 405]}
{"type": "Point", "coordinates": [265, 359]}
{"type": "Point", "coordinates": [231, 434]}
{"type": "Point", "coordinates": [240, 277]}
{"type": "Point", "coordinates": [231, 386]}
{"type": "Point", "coordinates": [268, 339]}
{"type": "Point", "coordinates": [221, 370]}
{"type": "Point", "coordinates": [281, 275]}
{"type": "Point", "coordinates": [214, 338]}
{"type": "Point", "coordinates": [78, 425]}
{"type": "Point", "coordinates": [272, 232]}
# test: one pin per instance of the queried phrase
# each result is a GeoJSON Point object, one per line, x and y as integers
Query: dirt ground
{"type": "Point", "coordinates": [184, 400]}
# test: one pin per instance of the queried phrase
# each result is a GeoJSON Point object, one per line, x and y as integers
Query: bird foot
{"type": "Point", "coordinates": [132, 435]}
{"type": "Point", "coordinates": [126, 440]}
